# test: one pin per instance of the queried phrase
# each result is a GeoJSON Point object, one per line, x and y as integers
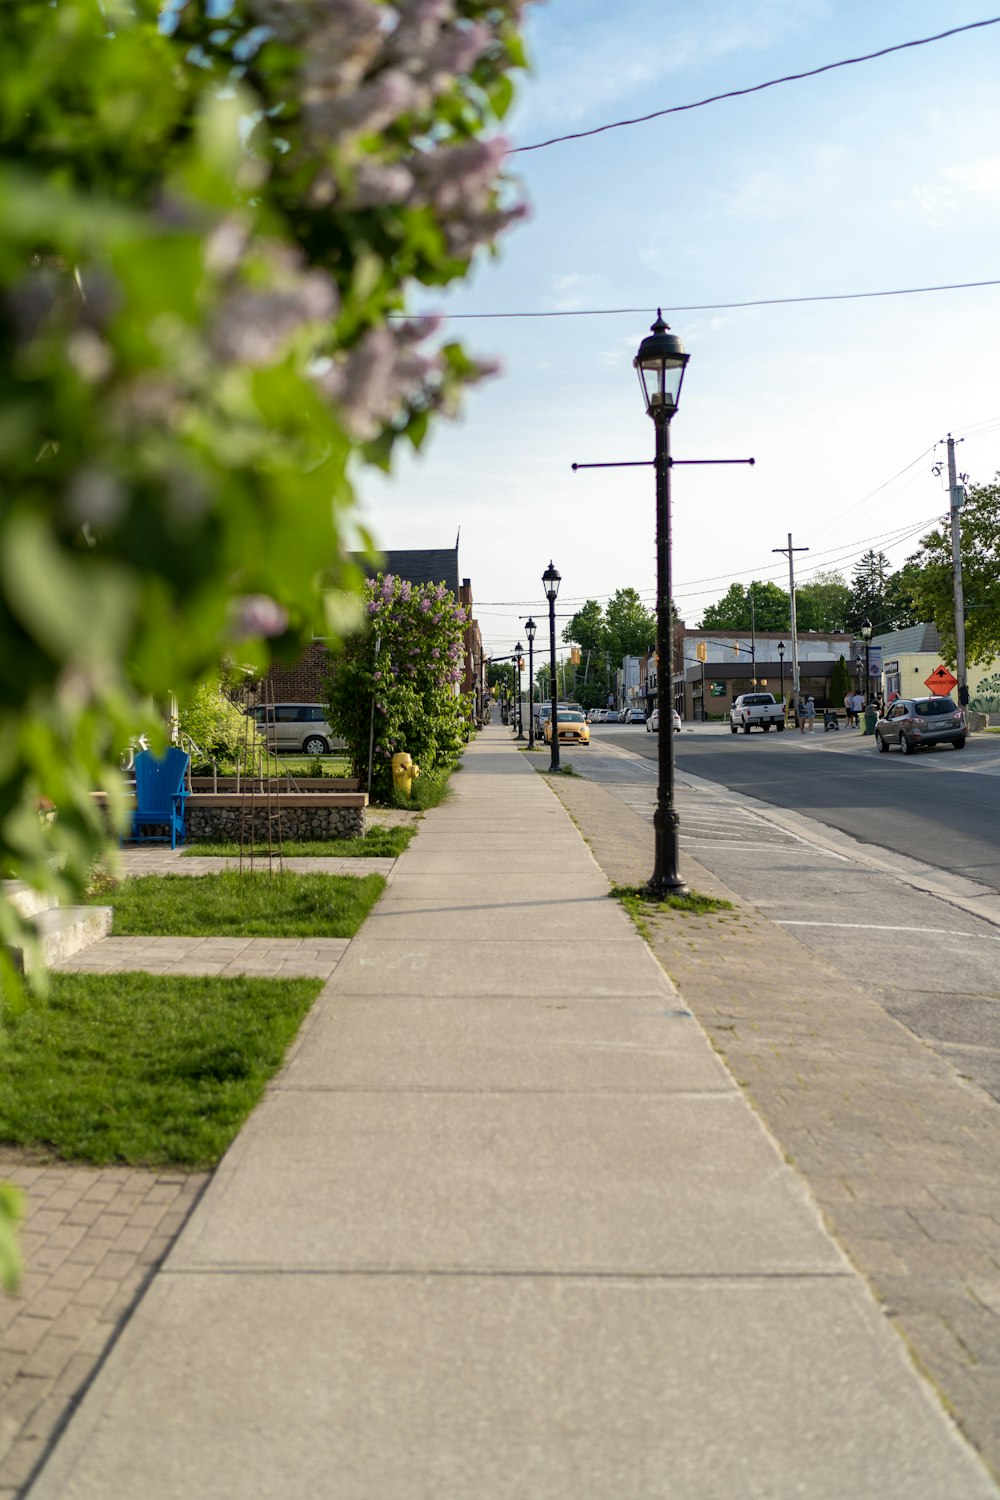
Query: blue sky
{"type": "Point", "coordinates": [882, 175]}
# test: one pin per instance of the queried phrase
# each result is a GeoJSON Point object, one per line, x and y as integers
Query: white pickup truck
{"type": "Point", "coordinates": [756, 710]}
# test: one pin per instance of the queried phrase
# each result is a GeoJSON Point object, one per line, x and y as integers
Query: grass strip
{"type": "Point", "coordinates": [232, 904]}
{"type": "Point", "coordinates": [148, 1069]}
{"type": "Point", "coordinates": [640, 905]}
{"type": "Point", "coordinates": [377, 843]}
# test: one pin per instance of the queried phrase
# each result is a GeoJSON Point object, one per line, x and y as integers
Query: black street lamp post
{"type": "Point", "coordinates": [551, 580]}
{"type": "Point", "coordinates": [661, 362]}
{"type": "Point", "coordinates": [781, 668]}
{"type": "Point", "coordinates": [866, 635]}
{"type": "Point", "coordinates": [518, 649]}
{"type": "Point", "coordinates": [529, 629]}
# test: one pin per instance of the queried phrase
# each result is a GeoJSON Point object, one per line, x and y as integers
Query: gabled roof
{"type": "Point", "coordinates": [922, 637]}
{"type": "Point", "coordinates": [417, 566]}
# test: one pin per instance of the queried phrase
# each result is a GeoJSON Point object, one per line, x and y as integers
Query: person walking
{"type": "Point", "coordinates": [849, 706]}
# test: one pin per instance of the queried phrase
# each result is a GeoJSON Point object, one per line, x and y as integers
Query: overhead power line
{"type": "Point", "coordinates": [610, 312]}
{"type": "Point", "coordinates": [756, 88]}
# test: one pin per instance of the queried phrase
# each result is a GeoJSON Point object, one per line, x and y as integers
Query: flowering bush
{"type": "Point", "coordinates": [408, 664]}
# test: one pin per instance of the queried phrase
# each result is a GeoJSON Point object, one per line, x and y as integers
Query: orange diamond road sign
{"type": "Point", "coordinates": [941, 681]}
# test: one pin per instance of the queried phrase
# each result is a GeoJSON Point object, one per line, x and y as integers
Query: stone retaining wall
{"type": "Point", "coordinates": [216, 818]}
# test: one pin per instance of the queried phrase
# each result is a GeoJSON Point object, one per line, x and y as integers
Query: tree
{"type": "Point", "coordinates": [631, 627]}
{"type": "Point", "coordinates": [218, 728]}
{"type": "Point", "coordinates": [394, 684]}
{"type": "Point", "coordinates": [823, 604]}
{"type": "Point", "coordinates": [733, 610]}
{"type": "Point", "coordinates": [209, 230]}
{"type": "Point", "coordinates": [869, 588]}
{"type": "Point", "coordinates": [840, 681]}
{"type": "Point", "coordinates": [588, 629]}
{"type": "Point", "coordinates": [929, 574]}
{"type": "Point", "coordinates": [898, 600]}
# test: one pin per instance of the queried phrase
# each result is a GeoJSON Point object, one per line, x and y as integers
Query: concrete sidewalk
{"type": "Point", "coordinates": [506, 1227]}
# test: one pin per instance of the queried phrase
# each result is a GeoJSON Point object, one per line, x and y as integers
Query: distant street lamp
{"type": "Point", "coordinates": [781, 668]}
{"type": "Point", "coordinates": [661, 362]}
{"type": "Point", "coordinates": [529, 629]}
{"type": "Point", "coordinates": [551, 580]}
{"type": "Point", "coordinates": [518, 649]}
{"type": "Point", "coordinates": [866, 636]}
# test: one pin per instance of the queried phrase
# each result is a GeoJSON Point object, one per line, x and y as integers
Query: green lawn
{"type": "Point", "coordinates": [147, 1069]}
{"type": "Point", "coordinates": [231, 904]}
{"type": "Point", "coordinates": [378, 843]}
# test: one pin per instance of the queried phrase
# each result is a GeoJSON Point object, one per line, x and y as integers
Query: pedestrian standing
{"type": "Point", "coordinates": [849, 706]}
{"type": "Point", "coordinates": [810, 712]}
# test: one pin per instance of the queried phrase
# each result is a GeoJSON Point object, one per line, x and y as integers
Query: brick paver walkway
{"type": "Point", "coordinates": [92, 1238]}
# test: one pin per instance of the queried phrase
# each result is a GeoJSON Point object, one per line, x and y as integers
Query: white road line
{"type": "Point", "coordinates": [878, 927]}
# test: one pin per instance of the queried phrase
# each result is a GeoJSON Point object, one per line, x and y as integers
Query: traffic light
{"type": "Point", "coordinates": [736, 648]}
{"type": "Point", "coordinates": [574, 656]}
{"type": "Point", "coordinates": [701, 651]}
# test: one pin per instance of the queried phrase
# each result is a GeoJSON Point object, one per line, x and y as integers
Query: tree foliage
{"type": "Point", "coordinates": [631, 627]}
{"type": "Point", "coordinates": [929, 575]}
{"type": "Point", "coordinates": [840, 681]}
{"type": "Point", "coordinates": [823, 604]}
{"type": "Point", "coordinates": [588, 629]}
{"type": "Point", "coordinates": [210, 218]}
{"type": "Point", "coordinates": [394, 684]}
{"type": "Point", "coordinates": [216, 727]}
{"type": "Point", "coordinates": [733, 611]}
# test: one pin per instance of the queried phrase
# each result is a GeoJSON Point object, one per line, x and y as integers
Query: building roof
{"type": "Point", "coordinates": [923, 637]}
{"type": "Point", "coordinates": [418, 565]}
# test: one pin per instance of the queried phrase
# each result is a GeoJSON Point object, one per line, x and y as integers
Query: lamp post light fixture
{"type": "Point", "coordinates": [866, 635]}
{"type": "Point", "coordinates": [781, 669]}
{"type": "Point", "coordinates": [660, 363]}
{"type": "Point", "coordinates": [529, 629]}
{"type": "Point", "coordinates": [518, 650]}
{"type": "Point", "coordinates": [551, 580]}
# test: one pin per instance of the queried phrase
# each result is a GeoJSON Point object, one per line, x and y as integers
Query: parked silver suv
{"type": "Point", "coordinates": [918, 723]}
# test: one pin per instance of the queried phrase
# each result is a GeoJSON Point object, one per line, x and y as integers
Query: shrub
{"type": "Point", "coordinates": [407, 664]}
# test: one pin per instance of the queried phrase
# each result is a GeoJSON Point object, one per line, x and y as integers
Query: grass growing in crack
{"type": "Point", "coordinates": [148, 1069]}
{"type": "Point", "coordinates": [233, 905]}
{"type": "Point", "coordinates": [641, 906]}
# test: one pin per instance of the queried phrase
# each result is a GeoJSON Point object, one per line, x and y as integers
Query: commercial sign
{"type": "Point", "coordinates": [717, 690]}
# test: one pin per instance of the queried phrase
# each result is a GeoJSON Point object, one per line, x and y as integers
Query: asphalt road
{"type": "Point", "coordinates": [940, 805]}
{"type": "Point", "coordinates": [888, 867]}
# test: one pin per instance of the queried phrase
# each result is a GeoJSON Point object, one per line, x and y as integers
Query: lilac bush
{"type": "Point", "coordinates": [406, 665]}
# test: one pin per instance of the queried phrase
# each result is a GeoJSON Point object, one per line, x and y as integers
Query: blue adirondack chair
{"type": "Point", "coordinates": [159, 796]}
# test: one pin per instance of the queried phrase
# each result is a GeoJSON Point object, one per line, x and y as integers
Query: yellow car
{"type": "Point", "coordinates": [572, 726]}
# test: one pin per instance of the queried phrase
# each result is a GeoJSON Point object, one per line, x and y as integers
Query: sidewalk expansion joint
{"type": "Point", "coordinates": [527, 1273]}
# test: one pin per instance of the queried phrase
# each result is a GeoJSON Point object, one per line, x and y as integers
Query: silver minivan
{"type": "Point", "coordinates": [299, 728]}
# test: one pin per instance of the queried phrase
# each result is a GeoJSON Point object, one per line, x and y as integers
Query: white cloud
{"type": "Point", "coordinates": [977, 176]}
{"type": "Point", "coordinates": [574, 291]}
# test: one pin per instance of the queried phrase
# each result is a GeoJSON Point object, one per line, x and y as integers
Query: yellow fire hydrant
{"type": "Point", "coordinates": [403, 772]}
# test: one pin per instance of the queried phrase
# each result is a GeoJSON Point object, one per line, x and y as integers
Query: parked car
{"type": "Point", "coordinates": [918, 723]}
{"type": "Point", "coordinates": [653, 722]}
{"type": "Point", "coordinates": [296, 728]}
{"type": "Point", "coordinates": [756, 711]}
{"type": "Point", "coordinates": [571, 725]}
{"type": "Point", "coordinates": [633, 716]}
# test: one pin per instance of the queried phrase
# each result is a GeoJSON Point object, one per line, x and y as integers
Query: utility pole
{"type": "Point", "coordinates": [790, 552]}
{"type": "Point", "coordinates": [956, 494]}
{"type": "Point", "coordinates": [753, 641]}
